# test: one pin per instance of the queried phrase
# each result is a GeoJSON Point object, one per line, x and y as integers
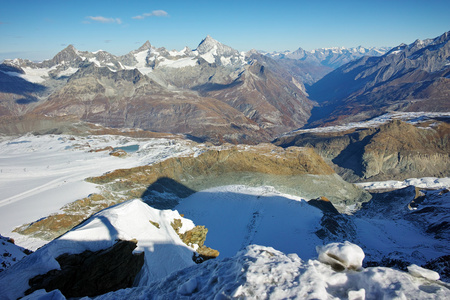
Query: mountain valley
{"type": "Point", "coordinates": [218, 174]}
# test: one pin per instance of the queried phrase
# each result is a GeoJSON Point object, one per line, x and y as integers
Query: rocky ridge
{"type": "Point", "coordinates": [396, 150]}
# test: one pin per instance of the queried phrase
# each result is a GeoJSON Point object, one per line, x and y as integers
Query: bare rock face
{"type": "Point", "coordinates": [92, 273]}
{"type": "Point", "coordinates": [396, 150]}
{"type": "Point", "coordinates": [334, 225]}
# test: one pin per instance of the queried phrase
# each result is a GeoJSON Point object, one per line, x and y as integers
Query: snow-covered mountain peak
{"type": "Point", "coordinates": [210, 45]}
{"type": "Point", "coordinates": [213, 51]}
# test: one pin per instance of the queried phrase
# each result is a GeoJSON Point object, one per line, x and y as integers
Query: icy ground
{"type": "Point", "coordinates": [425, 182]}
{"type": "Point", "coordinates": [237, 216]}
{"type": "Point", "coordinates": [259, 272]}
{"type": "Point", "coordinates": [409, 117]}
{"type": "Point", "coordinates": [40, 174]}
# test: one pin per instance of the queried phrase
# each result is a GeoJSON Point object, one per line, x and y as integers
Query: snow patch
{"type": "Point", "coordinates": [179, 63]}
{"type": "Point", "coordinates": [425, 182]}
{"type": "Point", "coordinates": [345, 255]}
{"type": "Point", "coordinates": [409, 117]}
{"type": "Point", "coordinates": [420, 272]}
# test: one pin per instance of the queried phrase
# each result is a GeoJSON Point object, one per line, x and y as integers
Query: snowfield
{"type": "Point", "coordinates": [40, 174]}
{"type": "Point", "coordinates": [425, 182]}
{"type": "Point", "coordinates": [409, 117]}
{"type": "Point", "coordinates": [238, 216]}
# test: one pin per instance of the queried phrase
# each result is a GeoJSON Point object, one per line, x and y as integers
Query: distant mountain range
{"type": "Point", "coordinates": [213, 91]}
{"type": "Point", "coordinates": [329, 57]}
{"type": "Point", "coordinates": [413, 77]}
{"type": "Point", "coordinates": [219, 94]}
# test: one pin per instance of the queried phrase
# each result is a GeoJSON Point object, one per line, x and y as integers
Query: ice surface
{"type": "Point", "coordinates": [178, 63]}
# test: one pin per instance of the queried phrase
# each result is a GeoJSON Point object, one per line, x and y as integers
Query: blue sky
{"type": "Point", "coordinates": [38, 29]}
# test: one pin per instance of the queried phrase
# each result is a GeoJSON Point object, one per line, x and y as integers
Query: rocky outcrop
{"type": "Point", "coordinates": [396, 150]}
{"type": "Point", "coordinates": [92, 273]}
{"type": "Point", "coordinates": [334, 225]}
{"type": "Point", "coordinates": [196, 236]}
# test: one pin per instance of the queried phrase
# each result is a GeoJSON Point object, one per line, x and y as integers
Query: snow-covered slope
{"type": "Point", "coordinates": [10, 253]}
{"type": "Point", "coordinates": [259, 272]}
{"type": "Point", "coordinates": [255, 272]}
{"type": "Point", "coordinates": [238, 216]}
{"type": "Point", "coordinates": [164, 250]}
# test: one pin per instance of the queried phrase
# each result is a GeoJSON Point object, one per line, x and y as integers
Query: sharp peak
{"type": "Point", "coordinates": [71, 47]}
{"type": "Point", "coordinates": [145, 46]}
{"type": "Point", "coordinates": [209, 40]}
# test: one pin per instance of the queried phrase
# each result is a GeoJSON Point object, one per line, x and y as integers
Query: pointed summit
{"type": "Point", "coordinates": [68, 54]}
{"type": "Point", "coordinates": [210, 45]}
{"type": "Point", "coordinates": [145, 46]}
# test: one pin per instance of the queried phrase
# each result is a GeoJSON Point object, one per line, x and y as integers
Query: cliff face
{"type": "Point", "coordinates": [396, 150]}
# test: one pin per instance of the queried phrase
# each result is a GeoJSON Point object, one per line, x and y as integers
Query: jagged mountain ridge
{"type": "Point", "coordinates": [411, 77]}
{"type": "Point", "coordinates": [321, 61]}
{"type": "Point", "coordinates": [160, 90]}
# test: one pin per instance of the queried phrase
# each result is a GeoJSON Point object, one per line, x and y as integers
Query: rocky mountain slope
{"type": "Point", "coordinates": [393, 150]}
{"type": "Point", "coordinates": [212, 92]}
{"type": "Point", "coordinates": [411, 77]}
